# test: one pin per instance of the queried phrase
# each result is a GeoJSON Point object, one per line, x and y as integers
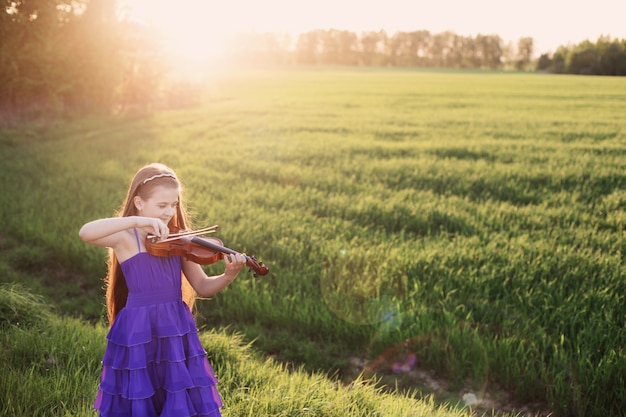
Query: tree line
{"type": "Point", "coordinates": [419, 48]}
{"type": "Point", "coordinates": [424, 49]}
{"type": "Point", "coordinates": [72, 56]}
{"type": "Point", "coordinates": [604, 57]}
{"type": "Point", "coordinates": [61, 56]}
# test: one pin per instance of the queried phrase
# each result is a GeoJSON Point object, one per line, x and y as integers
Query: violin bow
{"type": "Point", "coordinates": [174, 236]}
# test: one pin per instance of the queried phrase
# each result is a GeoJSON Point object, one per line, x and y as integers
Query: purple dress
{"type": "Point", "coordinates": [154, 363]}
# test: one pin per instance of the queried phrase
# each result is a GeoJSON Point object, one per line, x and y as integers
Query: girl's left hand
{"type": "Point", "coordinates": [234, 264]}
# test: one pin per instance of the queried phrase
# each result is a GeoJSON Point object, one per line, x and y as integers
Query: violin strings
{"type": "Point", "coordinates": [209, 229]}
{"type": "Point", "coordinates": [174, 236]}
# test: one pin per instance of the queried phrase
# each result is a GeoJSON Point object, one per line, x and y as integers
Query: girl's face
{"type": "Point", "coordinates": [161, 203]}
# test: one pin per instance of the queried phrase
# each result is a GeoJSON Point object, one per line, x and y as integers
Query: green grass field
{"type": "Point", "coordinates": [473, 220]}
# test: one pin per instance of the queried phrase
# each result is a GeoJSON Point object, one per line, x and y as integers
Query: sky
{"type": "Point", "coordinates": [551, 23]}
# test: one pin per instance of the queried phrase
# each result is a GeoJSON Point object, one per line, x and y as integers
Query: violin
{"type": "Point", "coordinates": [201, 250]}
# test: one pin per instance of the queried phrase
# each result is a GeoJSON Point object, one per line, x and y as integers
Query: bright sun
{"type": "Point", "coordinates": [190, 30]}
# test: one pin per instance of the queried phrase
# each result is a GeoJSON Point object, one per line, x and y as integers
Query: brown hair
{"type": "Point", "coordinates": [142, 185]}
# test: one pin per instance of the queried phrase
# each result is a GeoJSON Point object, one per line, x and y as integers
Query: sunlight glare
{"type": "Point", "coordinates": [190, 31]}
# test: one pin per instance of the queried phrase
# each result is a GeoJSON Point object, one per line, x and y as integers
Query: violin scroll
{"type": "Point", "coordinates": [259, 268]}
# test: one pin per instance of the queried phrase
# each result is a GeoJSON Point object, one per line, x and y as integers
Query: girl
{"type": "Point", "coordinates": [154, 364]}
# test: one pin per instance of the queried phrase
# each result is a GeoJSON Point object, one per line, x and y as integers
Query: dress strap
{"type": "Point", "coordinates": [137, 237]}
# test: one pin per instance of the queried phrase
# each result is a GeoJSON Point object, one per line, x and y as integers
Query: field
{"type": "Point", "coordinates": [471, 222]}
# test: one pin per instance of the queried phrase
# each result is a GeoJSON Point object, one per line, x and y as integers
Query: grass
{"type": "Point", "coordinates": [475, 220]}
{"type": "Point", "coordinates": [53, 368]}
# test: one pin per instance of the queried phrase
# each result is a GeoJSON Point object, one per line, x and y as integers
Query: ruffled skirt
{"type": "Point", "coordinates": [155, 365]}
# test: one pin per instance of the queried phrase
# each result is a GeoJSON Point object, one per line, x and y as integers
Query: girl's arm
{"type": "Point", "coordinates": [207, 286]}
{"type": "Point", "coordinates": [111, 232]}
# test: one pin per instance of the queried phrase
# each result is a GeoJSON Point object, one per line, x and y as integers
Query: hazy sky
{"type": "Point", "coordinates": [550, 22]}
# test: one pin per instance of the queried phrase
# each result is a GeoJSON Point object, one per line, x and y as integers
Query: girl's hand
{"type": "Point", "coordinates": [153, 226]}
{"type": "Point", "coordinates": [234, 264]}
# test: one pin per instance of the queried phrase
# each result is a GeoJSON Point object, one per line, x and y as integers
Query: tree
{"type": "Point", "coordinates": [605, 57]}
{"type": "Point", "coordinates": [308, 47]}
{"type": "Point", "coordinates": [525, 49]}
{"type": "Point", "coordinates": [339, 47]}
{"type": "Point", "coordinates": [612, 55]}
{"type": "Point", "coordinates": [583, 59]}
{"type": "Point", "coordinates": [465, 53]}
{"type": "Point", "coordinates": [373, 45]}
{"type": "Point", "coordinates": [33, 53]}
{"type": "Point", "coordinates": [490, 51]}
{"type": "Point", "coordinates": [399, 49]}
{"type": "Point", "coordinates": [419, 44]}
{"type": "Point", "coordinates": [96, 37]}
{"type": "Point", "coordinates": [74, 56]}
{"type": "Point", "coordinates": [442, 48]}
{"type": "Point", "coordinates": [544, 63]}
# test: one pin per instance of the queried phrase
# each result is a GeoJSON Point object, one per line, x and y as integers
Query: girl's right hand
{"type": "Point", "coordinates": [153, 226]}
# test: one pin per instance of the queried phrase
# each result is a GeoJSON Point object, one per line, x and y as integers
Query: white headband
{"type": "Point", "coordinates": [158, 176]}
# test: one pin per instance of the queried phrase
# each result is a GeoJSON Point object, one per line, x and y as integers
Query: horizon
{"type": "Point", "coordinates": [550, 24]}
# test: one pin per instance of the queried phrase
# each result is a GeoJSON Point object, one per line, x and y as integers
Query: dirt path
{"type": "Point", "coordinates": [404, 373]}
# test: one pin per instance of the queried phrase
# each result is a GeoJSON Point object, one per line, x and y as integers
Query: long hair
{"type": "Point", "coordinates": [116, 287]}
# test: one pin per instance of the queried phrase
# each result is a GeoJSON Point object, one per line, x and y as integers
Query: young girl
{"type": "Point", "coordinates": [154, 364]}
